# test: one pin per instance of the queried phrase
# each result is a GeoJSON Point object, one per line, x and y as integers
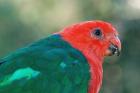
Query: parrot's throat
{"type": "Point", "coordinates": [95, 61]}
{"type": "Point", "coordinates": [96, 74]}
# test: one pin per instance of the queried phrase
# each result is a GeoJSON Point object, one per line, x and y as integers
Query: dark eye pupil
{"type": "Point", "coordinates": [97, 32]}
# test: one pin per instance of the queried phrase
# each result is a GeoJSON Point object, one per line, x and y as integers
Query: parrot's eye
{"type": "Point", "coordinates": [97, 32]}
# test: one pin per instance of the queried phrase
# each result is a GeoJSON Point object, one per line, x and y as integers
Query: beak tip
{"type": "Point", "coordinates": [119, 53]}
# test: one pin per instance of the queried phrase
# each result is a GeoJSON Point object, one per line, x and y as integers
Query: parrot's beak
{"type": "Point", "coordinates": [114, 50]}
{"type": "Point", "coordinates": [114, 47]}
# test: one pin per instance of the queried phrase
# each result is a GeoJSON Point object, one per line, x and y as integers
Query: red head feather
{"type": "Point", "coordinates": [93, 45]}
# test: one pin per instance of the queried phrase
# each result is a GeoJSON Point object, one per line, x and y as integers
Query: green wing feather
{"type": "Point", "coordinates": [50, 65]}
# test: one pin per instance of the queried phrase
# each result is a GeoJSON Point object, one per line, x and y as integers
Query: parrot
{"type": "Point", "coordinates": [67, 61]}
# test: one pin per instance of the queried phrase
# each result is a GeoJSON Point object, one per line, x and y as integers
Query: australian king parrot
{"type": "Point", "coordinates": [68, 61]}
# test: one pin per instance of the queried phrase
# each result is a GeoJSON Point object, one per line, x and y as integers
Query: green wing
{"type": "Point", "coordinates": [48, 66]}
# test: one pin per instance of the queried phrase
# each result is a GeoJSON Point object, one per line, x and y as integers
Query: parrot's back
{"type": "Point", "coordinates": [50, 65]}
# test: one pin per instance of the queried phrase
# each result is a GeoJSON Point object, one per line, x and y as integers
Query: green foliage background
{"type": "Point", "coordinates": [25, 21]}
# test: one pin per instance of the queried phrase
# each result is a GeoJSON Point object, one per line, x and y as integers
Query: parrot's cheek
{"type": "Point", "coordinates": [108, 53]}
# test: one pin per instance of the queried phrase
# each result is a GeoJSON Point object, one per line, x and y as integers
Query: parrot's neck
{"type": "Point", "coordinates": [96, 73]}
{"type": "Point", "coordinates": [95, 61]}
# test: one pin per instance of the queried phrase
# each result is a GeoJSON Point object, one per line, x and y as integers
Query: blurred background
{"type": "Point", "coordinates": [25, 21]}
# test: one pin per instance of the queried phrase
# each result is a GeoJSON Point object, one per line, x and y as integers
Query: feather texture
{"type": "Point", "coordinates": [50, 65]}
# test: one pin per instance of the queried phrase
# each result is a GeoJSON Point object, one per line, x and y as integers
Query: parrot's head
{"type": "Point", "coordinates": [97, 37]}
